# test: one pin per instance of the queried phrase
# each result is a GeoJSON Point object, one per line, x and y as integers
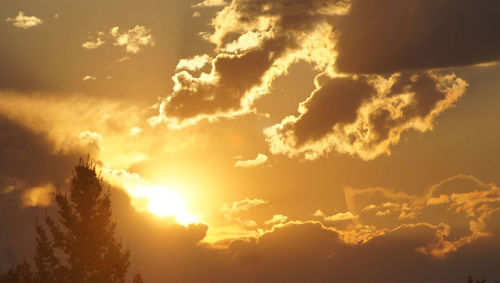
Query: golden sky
{"type": "Point", "coordinates": [262, 140]}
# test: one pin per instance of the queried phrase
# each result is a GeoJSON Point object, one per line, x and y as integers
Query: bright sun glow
{"type": "Point", "coordinates": [166, 203]}
{"type": "Point", "coordinates": [159, 200]}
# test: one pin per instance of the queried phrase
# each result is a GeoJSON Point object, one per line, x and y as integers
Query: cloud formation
{"type": "Point", "coordinates": [134, 40]}
{"type": "Point", "coordinates": [245, 67]}
{"type": "Point", "coordinates": [89, 78]}
{"type": "Point", "coordinates": [259, 160]}
{"type": "Point", "coordinates": [25, 22]}
{"type": "Point", "coordinates": [211, 3]}
{"type": "Point", "coordinates": [94, 43]}
{"type": "Point", "coordinates": [417, 35]}
{"type": "Point", "coordinates": [364, 116]}
{"type": "Point", "coordinates": [364, 99]}
{"type": "Point", "coordinates": [240, 206]}
{"type": "Point", "coordinates": [38, 196]}
{"type": "Point", "coordinates": [341, 216]}
{"type": "Point", "coordinates": [437, 240]}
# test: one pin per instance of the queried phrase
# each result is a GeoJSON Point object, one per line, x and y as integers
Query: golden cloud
{"type": "Point", "coordinates": [25, 22]}
{"type": "Point", "coordinates": [259, 160]}
{"type": "Point", "coordinates": [38, 196]}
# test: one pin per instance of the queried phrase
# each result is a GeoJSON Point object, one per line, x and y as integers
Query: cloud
{"type": "Point", "coordinates": [364, 116]}
{"type": "Point", "coordinates": [94, 43]}
{"type": "Point", "coordinates": [341, 216]}
{"type": "Point", "coordinates": [312, 252]}
{"type": "Point", "coordinates": [376, 213]}
{"type": "Point", "coordinates": [236, 222]}
{"type": "Point", "coordinates": [134, 39]}
{"type": "Point", "coordinates": [57, 131]}
{"type": "Point", "coordinates": [211, 3]}
{"type": "Point", "coordinates": [193, 64]}
{"type": "Point", "coordinates": [123, 59]}
{"type": "Point", "coordinates": [30, 165]}
{"type": "Point", "coordinates": [241, 206]}
{"type": "Point", "coordinates": [38, 196]}
{"type": "Point", "coordinates": [25, 22]}
{"type": "Point", "coordinates": [244, 68]}
{"type": "Point", "coordinates": [224, 92]}
{"type": "Point", "coordinates": [259, 160]}
{"type": "Point", "coordinates": [89, 140]}
{"type": "Point", "coordinates": [354, 110]}
{"type": "Point", "coordinates": [460, 214]}
{"type": "Point", "coordinates": [277, 219]}
{"type": "Point", "coordinates": [409, 35]}
{"type": "Point", "coordinates": [88, 78]}
{"type": "Point", "coordinates": [302, 251]}
{"type": "Point", "coordinates": [135, 131]}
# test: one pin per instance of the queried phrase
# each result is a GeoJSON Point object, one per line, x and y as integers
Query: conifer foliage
{"type": "Point", "coordinates": [80, 247]}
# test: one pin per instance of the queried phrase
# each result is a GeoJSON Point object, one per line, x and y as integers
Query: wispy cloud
{"type": "Point", "coordinates": [134, 40]}
{"type": "Point", "coordinates": [211, 3]}
{"type": "Point", "coordinates": [89, 78]}
{"type": "Point", "coordinates": [94, 43]}
{"type": "Point", "coordinates": [259, 160]}
{"type": "Point", "coordinates": [25, 22]}
{"type": "Point", "coordinates": [341, 216]}
{"type": "Point", "coordinates": [38, 196]}
{"type": "Point", "coordinates": [194, 63]}
{"type": "Point", "coordinates": [277, 219]}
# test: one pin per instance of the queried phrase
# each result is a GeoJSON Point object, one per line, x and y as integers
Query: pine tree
{"type": "Point", "coordinates": [85, 235]}
{"type": "Point", "coordinates": [137, 278]}
{"type": "Point", "coordinates": [21, 273]}
{"type": "Point", "coordinates": [49, 269]}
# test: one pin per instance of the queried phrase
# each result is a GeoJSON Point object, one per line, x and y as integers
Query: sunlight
{"type": "Point", "coordinates": [167, 203]}
{"type": "Point", "coordinates": [156, 199]}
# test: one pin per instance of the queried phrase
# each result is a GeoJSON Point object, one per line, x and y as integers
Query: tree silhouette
{"type": "Point", "coordinates": [81, 247]}
{"type": "Point", "coordinates": [470, 280]}
{"type": "Point", "coordinates": [48, 265]}
{"type": "Point", "coordinates": [18, 274]}
{"type": "Point", "coordinates": [137, 278]}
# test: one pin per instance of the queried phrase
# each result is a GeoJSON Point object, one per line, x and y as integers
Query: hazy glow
{"type": "Point", "coordinates": [167, 203]}
{"type": "Point", "coordinates": [156, 199]}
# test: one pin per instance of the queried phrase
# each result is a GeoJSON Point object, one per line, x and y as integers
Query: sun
{"type": "Point", "coordinates": [165, 202]}
{"type": "Point", "coordinates": [157, 199]}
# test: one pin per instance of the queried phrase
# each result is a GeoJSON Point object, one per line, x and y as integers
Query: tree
{"type": "Point", "coordinates": [49, 269]}
{"type": "Point", "coordinates": [81, 246]}
{"type": "Point", "coordinates": [85, 234]}
{"type": "Point", "coordinates": [18, 274]}
{"type": "Point", "coordinates": [137, 278]}
{"type": "Point", "coordinates": [470, 280]}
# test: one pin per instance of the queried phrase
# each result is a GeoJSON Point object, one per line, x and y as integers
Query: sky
{"type": "Point", "coordinates": [261, 140]}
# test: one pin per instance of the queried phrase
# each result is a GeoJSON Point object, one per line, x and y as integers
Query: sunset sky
{"type": "Point", "coordinates": [261, 140]}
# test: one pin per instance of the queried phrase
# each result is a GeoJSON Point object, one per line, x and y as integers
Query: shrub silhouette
{"type": "Point", "coordinates": [81, 247]}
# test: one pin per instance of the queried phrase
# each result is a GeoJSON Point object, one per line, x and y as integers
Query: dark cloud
{"type": "Point", "coordinates": [364, 115]}
{"type": "Point", "coordinates": [309, 252]}
{"type": "Point", "coordinates": [301, 251]}
{"type": "Point", "coordinates": [312, 252]}
{"type": "Point", "coordinates": [398, 43]}
{"type": "Point", "coordinates": [334, 103]}
{"type": "Point", "coordinates": [231, 78]}
{"type": "Point", "coordinates": [28, 159]}
{"type": "Point", "coordinates": [256, 42]}
{"type": "Point", "coordinates": [393, 35]}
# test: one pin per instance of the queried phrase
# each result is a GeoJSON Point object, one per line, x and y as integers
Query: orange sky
{"type": "Point", "coordinates": [264, 140]}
